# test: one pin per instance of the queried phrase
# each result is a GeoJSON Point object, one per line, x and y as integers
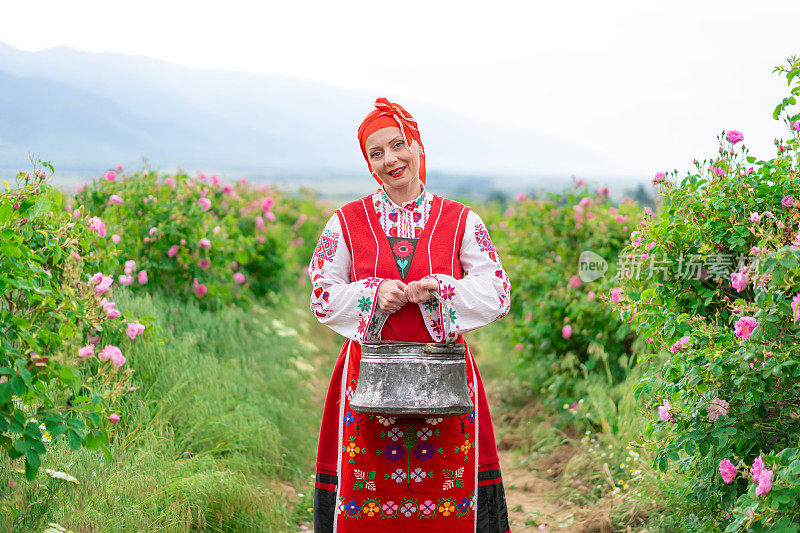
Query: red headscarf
{"type": "Point", "coordinates": [386, 115]}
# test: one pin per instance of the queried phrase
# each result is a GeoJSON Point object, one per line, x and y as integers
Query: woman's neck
{"type": "Point", "coordinates": [406, 194]}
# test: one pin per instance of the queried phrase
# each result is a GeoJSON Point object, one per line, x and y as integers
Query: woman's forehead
{"type": "Point", "coordinates": [382, 136]}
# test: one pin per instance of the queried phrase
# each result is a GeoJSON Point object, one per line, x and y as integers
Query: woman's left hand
{"type": "Point", "coordinates": [417, 291]}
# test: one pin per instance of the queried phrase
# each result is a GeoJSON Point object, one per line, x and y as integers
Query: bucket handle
{"type": "Point", "coordinates": [445, 319]}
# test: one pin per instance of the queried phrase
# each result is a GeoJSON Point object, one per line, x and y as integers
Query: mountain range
{"type": "Point", "coordinates": [88, 112]}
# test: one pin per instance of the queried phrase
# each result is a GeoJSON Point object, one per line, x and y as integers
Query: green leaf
{"type": "Point", "coordinates": [30, 471]}
{"type": "Point", "coordinates": [5, 392]}
{"type": "Point", "coordinates": [33, 458]}
{"type": "Point", "coordinates": [41, 207]}
{"type": "Point", "coordinates": [5, 212]}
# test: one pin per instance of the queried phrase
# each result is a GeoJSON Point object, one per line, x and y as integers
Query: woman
{"type": "Point", "coordinates": [377, 259]}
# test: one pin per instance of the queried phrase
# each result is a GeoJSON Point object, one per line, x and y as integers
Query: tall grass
{"type": "Point", "coordinates": [218, 436]}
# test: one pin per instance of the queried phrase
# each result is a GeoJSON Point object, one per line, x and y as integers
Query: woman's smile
{"type": "Point", "coordinates": [397, 172]}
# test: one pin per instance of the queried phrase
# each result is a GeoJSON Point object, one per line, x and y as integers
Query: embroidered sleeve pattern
{"type": "Point", "coordinates": [482, 296]}
{"type": "Point", "coordinates": [348, 308]}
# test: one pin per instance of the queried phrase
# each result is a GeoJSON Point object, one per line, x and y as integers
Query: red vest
{"type": "Point", "coordinates": [436, 252]}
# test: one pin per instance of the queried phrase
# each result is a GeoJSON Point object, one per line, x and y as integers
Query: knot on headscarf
{"type": "Point", "coordinates": [388, 114]}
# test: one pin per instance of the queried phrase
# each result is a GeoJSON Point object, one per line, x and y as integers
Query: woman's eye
{"type": "Point", "coordinates": [398, 144]}
{"type": "Point", "coordinates": [375, 154]}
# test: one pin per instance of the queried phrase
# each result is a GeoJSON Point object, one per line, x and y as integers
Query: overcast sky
{"type": "Point", "coordinates": [647, 84]}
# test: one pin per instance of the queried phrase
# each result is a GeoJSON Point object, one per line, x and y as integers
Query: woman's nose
{"type": "Point", "coordinates": [389, 159]}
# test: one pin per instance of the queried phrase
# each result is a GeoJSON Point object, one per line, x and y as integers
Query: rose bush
{"type": "Point", "coordinates": [559, 323]}
{"type": "Point", "coordinates": [721, 302]}
{"type": "Point", "coordinates": [60, 334]}
{"type": "Point", "coordinates": [199, 238]}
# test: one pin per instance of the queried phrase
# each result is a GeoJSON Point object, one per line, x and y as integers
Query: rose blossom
{"type": "Point", "coordinates": [727, 470]}
{"type": "Point", "coordinates": [125, 280]}
{"type": "Point", "coordinates": [114, 199]}
{"type": "Point", "coordinates": [113, 418]}
{"type": "Point", "coordinates": [142, 277]}
{"type": "Point", "coordinates": [717, 407]}
{"type": "Point", "coordinates": [734, 136]}
{"type": "Point", "coordinates": [238, 278]}
{"type": "Point", "coordinates": [204, 243]}
{"type": "Point", "coordinates": [130, 266]}
{"type": "Point", "coordinates": [755, 217]}
{"type": "Point", "coordinates": [113, 354]}
{"type": "Point", "coordinates": [796, 307]}
{"type": "Point", "coordinates": [134, 329]}
{"type": "Point", "coordinates": [86, 351]}
{"type": "Point", "coordinates": [615, 295]}
{"type": "Point", "coordinates": [764, 482]}
{"type": "Point", "coordinates": [566, 331]}
{"type": "Point", "coordinates": [200, 290]}
{"type": "Point", "coordinates": [575, 282]}
{"type": "Point", "coordinates": [97, 225]}
{"type": "Point", "coordinates": [92, 339]}
{"type": "Point", "coordinates": [259, 222]}
{"type": "Point", "coordinates": [104, 284]}
{"type": "Point", "coordinates": [739, 281]}
{"type": "Point", "coordinates": [173, 251]}
{"type": "Point", "coordinates": [270, 216]}
{"type": "Point", "coordinates": [205, 262]}
{"type": "Point", "coordinates": [204, 203]}
{"type": "Point", "coordinates": [787, 201]}
{"type": "Point", "coordinates": [744, 327]}
{"type": "Point", "coordinates": [115, 239]}
{"type": "Point", "coordinates": [267, 204]}
{"type": "Point", "coordinates": [758, 466]}
{"type": "Point", "coordinates": [663, 411]}
{"type": "Point", "coordinates": [111, 175]}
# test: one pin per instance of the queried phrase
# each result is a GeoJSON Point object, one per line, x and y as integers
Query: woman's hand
{"type": "Point", "coordinates": [417, 291]}
{"type": "Point", "coordinates": [391, 296]}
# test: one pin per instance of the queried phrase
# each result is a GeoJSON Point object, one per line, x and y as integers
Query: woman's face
{"type": "Point", "coordinates": [396, 164]}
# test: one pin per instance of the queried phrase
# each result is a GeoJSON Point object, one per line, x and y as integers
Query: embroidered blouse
{"type": "Point", "coordinates": [477, 299]}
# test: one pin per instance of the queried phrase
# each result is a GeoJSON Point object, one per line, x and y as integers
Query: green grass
{"type": "Point", "coordinates": [218, 436]}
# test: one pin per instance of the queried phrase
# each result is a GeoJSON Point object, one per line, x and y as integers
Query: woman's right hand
{"type": "Point", "coordinates": [392, 296]}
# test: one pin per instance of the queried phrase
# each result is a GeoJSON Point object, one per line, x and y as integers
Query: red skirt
{"type": "Point", "coordinates": [389, 474]}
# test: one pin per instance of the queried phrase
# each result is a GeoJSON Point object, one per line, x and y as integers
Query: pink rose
{"type": "Point", "coordinates": [227, 189]}
{"type": "Point", "coordinates": [204, 243]}
{"type": "Point", "coordinates": [739, 281]}
{"type": "Point", "coordinates": [114, 199]}
{"type": "Point", "coordinates": [758, 466]}
{"type": "Point", "coordinates": [134, 329]}
{"type": "Point", "coordinates": [734, 136]}
{"type": "Point", "coordinates": [200, 290]}
{"type": "Point", "coordinates": [787, 201]}
{"type": "Point", "coordinates": [113, 354]}
{"type": "Point", "coordinates": [125, 280]}
{"type": "Point", "coordinates": [259, 222]}
{"type": "Point", "coordinates": [115, 239]}
{"type": "Point", "coordinates": [92, 339]}
{"type": "Point", "coordinates": [764, 482]}
{"type": "Point", "coordinates": [267, 204]}
{"type": "Point", "coordinates": [719, 172]}
{"type": "Point", "coordinates": [796, 307]}
{"type": "Point", "coordinates": [204, 203]}
{"type": "Point", "coordinates": [566, 331]}
{"type": "Point", "coordinates": [142, 277]}
{"type": "Point", "coordinates": [103, 285]}
{"type": "Point", "coordinates": [97, 225]}
{"type": "Point", "coordinates": [615, 295]}
{"type": "Point", "coordinates": [86, 351]}
{"type": "Point", "coordinates": [521, 197]}
{"type": "Point", "coordinates": [173, 251]}
{"type": "Point", "coordinates": [716, 408]}
{"type": "Point", "coordinates": [575, 282]}
{"type": "Point", "coordinates": [270, 216]}
{"type": "Point", "coordinates": [205, 262]}
{"type": "Point", "coordinates": [603, 191]}
{"type": "Point", "coordinates": [153, 231]}
{"type": "Point", "coordinates": [755, 217]}
{"type": "Point", "coordinates": [660, 177]}
{"type": "Point", "coordinates": [663, 411]}
{"type": "Point", "coordinates": [581, 183]}
{"type": "Point", "coordinates": [130, 266]}
{"type": "Point", "coordinates": [744, 327]}
{"type": "Point", "coordinates": [111, 175]}
{"type": "Point", "coordinates": [727, 471]}
{"type": "Point", "coordinates": [238, 278]}
{"type": "Point", "coordinates": [590, 295]}
{"type": "Point", "coordinates": [113, 418]}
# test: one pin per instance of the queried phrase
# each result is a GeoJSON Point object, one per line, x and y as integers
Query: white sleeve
{"type": "Point", "coordinates": [482, 296]}
{"type": "Point", "coordinates": [348, 308]}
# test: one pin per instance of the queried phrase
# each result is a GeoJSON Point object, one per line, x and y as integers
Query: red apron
{"type": "Point", "coordinates": [405, 474]}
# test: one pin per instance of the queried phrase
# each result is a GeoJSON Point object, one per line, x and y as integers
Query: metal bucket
{"type": "Point", "coordinates": [412, 379]}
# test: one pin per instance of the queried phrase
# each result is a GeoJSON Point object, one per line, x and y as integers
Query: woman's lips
{"type": "Point", "coordinates": [397, 172]}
